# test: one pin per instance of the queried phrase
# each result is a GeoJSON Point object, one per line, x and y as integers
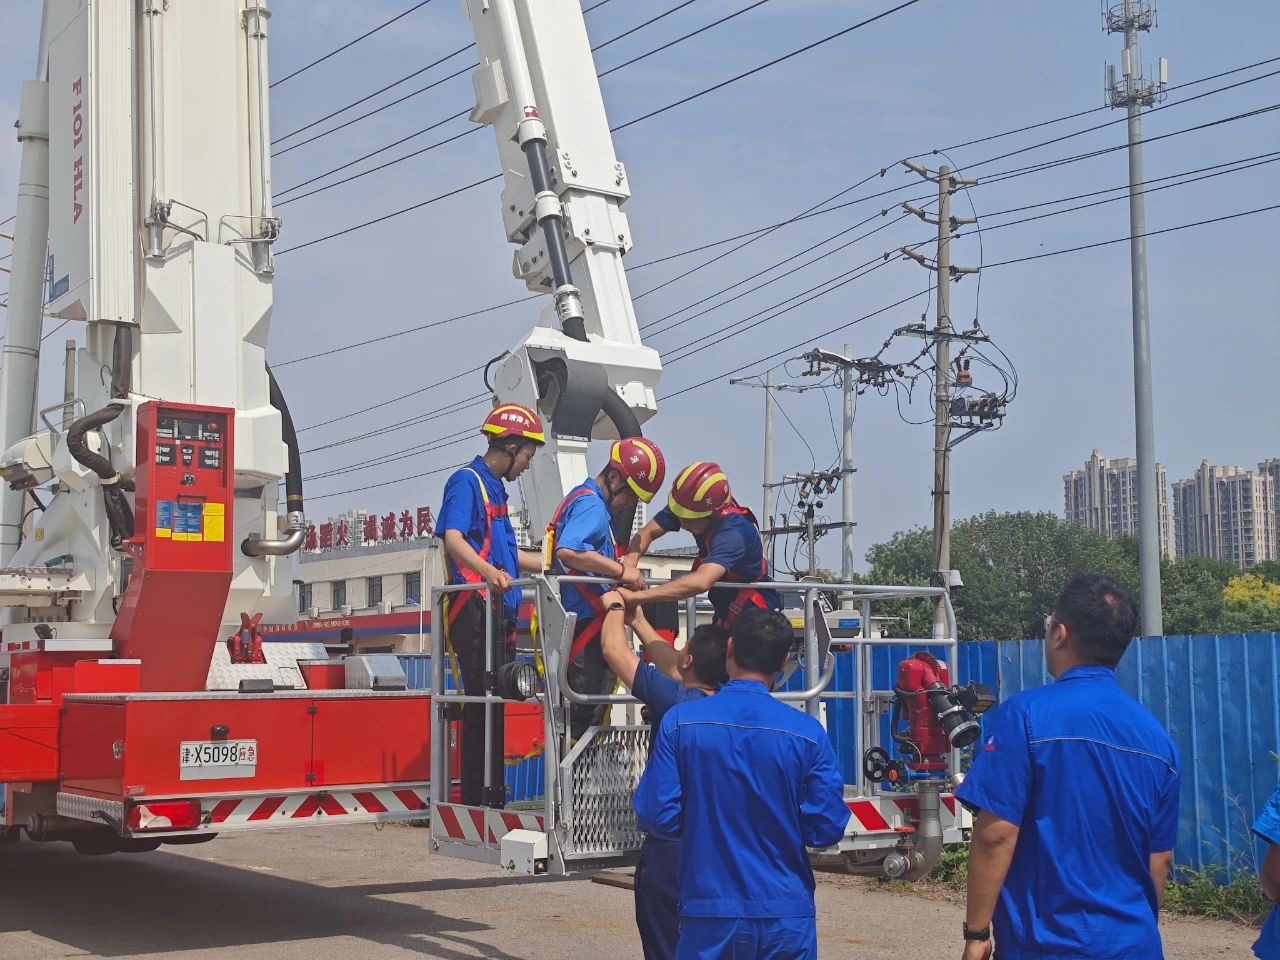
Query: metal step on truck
{"type": "Point", "coordinates": [908, 741]}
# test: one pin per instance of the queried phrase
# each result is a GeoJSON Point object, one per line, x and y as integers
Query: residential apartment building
{"type": "Point", "coordinates": [1104, 497]}
{"type": "Point", "coordinates": [1228, 513]}
{"type": "Point", "coordinates": [1272, 469]}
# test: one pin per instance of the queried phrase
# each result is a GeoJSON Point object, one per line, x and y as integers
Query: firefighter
{"type": "Point", "coordinates": [480, 547]}
{"type": "Point", "coordinates": [581, 542]}
{"type": "Point", "coordinates": [729, 546]}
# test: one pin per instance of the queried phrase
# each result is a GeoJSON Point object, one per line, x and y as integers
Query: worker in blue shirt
{"type": "Point", "coordinates": [1267, 827]}
{"type": "Point", "coordinates": [729, 546]}
{"type": "Point", "coordinates": [747, 783]}
{"type": "Point", "coordinates": [670, 678]}
{"type": "Point", "coordinates": [1077, 791]}
{"type": "Point", "coordinates": [480, 547]}
{"type": "Point", "coordinates": [581, 541]}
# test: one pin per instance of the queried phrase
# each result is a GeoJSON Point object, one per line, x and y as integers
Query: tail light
{"type": "Point", "coordinates": [153, 815]}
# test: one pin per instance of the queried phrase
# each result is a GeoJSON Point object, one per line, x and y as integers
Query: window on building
{"type": "Point", "coordinates": [339, 594]}
{"type": "Point", "coordinates": [304, 598]}
{"type": "Point", "coordinates": [375, 591]}
{"type": "Point", "coordinates": [413, 587]}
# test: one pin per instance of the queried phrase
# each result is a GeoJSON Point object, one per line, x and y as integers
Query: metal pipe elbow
{"type": "Point", "coordinates": [257, 546]}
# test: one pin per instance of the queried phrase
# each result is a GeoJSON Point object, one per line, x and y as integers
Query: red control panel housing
{"type": "Point", "coordinates": [172, 609]}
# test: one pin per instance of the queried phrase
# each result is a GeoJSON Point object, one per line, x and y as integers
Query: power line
{"type": "Point", "coordinates": [1149, 233]}
{"type": "Point", "coordinates": [1085, 113]}
{"type": "Point", "coordinates": [401, 333]}
{"type": "Point", "coordinates": [393, 103]}
{"type": "Point", "coordinates": [671, 43]}
{"type": "Point", "coordinates": [771, 268]}
{"type": "Point", "coordinates": [652, 113]}
{"type": "Point", "coordinates": [351, 43]}
{"type": "Point", "coordinates": [462, 113]}
{"type": "Point", "coordinates": [386, 483]}
{"type": "Point", "coordinates": [456, 407]}
{"type": "Point", "coordinates": [765, 66]}
{"type": "Point", "coordinates": [644, 327]}
{"type": "Point", "coordinates": [385, 403]}
{"type": "Point", "coordinates": [648, 23]}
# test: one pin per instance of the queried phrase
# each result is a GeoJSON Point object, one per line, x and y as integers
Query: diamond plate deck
{"type": "Point", "coordinates": [600, 775]}
{"type": "Point", "coordinates": [281, 667]}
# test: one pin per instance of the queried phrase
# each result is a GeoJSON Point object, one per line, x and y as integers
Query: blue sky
{"type": "Point", "coordinates": [759, 152]}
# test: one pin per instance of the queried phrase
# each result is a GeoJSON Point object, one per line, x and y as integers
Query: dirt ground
{"type": "Point", "coordinates": [367, 894]}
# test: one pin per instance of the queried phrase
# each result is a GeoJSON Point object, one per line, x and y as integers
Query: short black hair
{"type": "Point", "coordinates": [707, 646]}
{"type": "Point", "coordinates": [1101, 616]}
{"type": "Point", "coordinates": [761, 640]}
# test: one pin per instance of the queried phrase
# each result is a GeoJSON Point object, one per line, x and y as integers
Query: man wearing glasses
{"type": "Point", "coordinates": [1076, 788]}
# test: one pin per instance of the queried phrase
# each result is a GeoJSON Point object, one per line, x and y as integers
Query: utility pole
{"type": "Point", "coordinates": [812, 487]}
{"type": "Point", "coordinates": [846, 480]}
{"type": "Point", "coordinates": [770, 386]}
{"type": "Point", "coordinates": [1133, 92]}
{"type": "Point", "coordinates": [942, 335]}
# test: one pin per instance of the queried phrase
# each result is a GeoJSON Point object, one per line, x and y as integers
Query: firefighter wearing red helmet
{"type": "Point", "coordinates": [581, 541]}
{"type": "Point", "coordinates": [480, 547]}
{"type": "Point", "coordinates": [730, 549]}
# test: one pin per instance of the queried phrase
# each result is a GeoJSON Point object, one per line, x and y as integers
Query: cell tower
{"type": "Point", "coordinates": [1133, 92]}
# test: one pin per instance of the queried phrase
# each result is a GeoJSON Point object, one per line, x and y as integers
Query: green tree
{"type": "Point", "coordinates": [1192, 590]}
{"type": "Point", "coordinates": [1013, 566]}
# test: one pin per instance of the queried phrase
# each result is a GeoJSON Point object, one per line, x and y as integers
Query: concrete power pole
{"type": "Point", "coordinates": [1133, 92]}
{"type": "Point", "coordinates": [942, 335]}
{"type": "Point", "coordinates": [846, 478]}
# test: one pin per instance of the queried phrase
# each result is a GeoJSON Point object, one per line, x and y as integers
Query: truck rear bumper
{"type": "Point", "coordinates": [227, 812]}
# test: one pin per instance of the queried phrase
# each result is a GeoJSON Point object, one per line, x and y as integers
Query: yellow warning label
{"type": "Point", "coordinates": [163, 532]}
{"type": "Point", "coordinates": [213, 529]}
{"type": "Point", "coordinates": [215, 510]}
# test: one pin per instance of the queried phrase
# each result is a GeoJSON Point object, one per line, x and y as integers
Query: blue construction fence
{"type": "Point", "coordinates": [1218, 696]}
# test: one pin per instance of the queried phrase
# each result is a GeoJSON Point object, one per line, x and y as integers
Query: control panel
{"type": "Point", "coordinates": [184, 486]}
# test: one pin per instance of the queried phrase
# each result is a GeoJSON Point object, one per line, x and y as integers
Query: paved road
{"type": "Point", "coordinates": [355, 892]}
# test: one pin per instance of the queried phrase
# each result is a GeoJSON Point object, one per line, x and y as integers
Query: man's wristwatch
{"type": "Point", "coordinates": [978, 935]}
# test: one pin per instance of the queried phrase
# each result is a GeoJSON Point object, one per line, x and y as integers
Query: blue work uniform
{"type": "Point", "coordinates": [1267, 827]}
{"type": "Point", "coordinates": [463, 510]}
{"type": "Point", "coordinates": [733, 541]}
{"type": "Point", "coordinates": [657, 882]}
{"type": "Point", "coordinates": [1091, 780]}
{"type": "Point", "coordinates": [586, 526]}
{"type": "Point", "coordinates": [748, 782]}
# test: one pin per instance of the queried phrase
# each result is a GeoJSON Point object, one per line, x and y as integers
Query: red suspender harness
{"type": "Point", "coordinates": [747, 596]}
{"type": "Point", "coordinates": [592, 630]}
{"type": "Point", "coordinates": [492, 512]}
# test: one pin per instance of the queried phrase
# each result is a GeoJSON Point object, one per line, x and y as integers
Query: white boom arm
{"type": "Point", "coordinates": [583, 366]}
{"type": "Point", "coordinates": [146, 169]}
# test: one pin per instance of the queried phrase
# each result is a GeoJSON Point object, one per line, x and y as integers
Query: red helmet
{"type": "Point", "coordinates": [699, 491]}
{"type": "Point", "coordinates": [641, 465]}
{"type": "Point", "coordinates": [514, 420]}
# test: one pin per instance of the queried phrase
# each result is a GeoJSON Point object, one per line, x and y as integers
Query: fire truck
{"type": "Point", "coordinates": [142, 543]}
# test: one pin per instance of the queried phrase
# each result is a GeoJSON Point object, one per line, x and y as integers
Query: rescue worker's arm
{"type": "Point", "coordinates": [530, 562]}
{"type": "Point", "coordinates": [823, 815]}
{"type": "Point", "coordinates": [661, 653]}
{"type": "Point", "coordinates": [590, 561]}
{"type": "Point", "coordinates": [1270, 873]}
{"type": "Point", "coordinates": [463, 554]}
{"type": "Point", "coordinates": [1161, 863]}
{"type": "Point", "coordinates": [690, 585]}
{"type": "Point", "coordinates": [659, 797]}
{"type": "Point", "coordinates": [618, 654]}
{"type": "Point", "coordinates": [990, 853]}
{"type": "Point", "coordinates": [641, 542]}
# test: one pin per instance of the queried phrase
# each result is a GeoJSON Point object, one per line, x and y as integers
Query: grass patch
{"type": "Point", "coordinates": [1217, 893]}
{"type": "Point", "coordinates": [1214, 892]}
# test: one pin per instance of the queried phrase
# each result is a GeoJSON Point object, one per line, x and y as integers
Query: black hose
{"type": "Point", "coordinates": [293, 479]}
{"type": "Point", "coordinates": [628, 425]}
{"type": "Point", "coordinates": [119, 513]}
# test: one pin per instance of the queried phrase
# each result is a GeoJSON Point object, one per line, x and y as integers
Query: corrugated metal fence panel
{"type": "Point", "coordinates": [1219, 698]}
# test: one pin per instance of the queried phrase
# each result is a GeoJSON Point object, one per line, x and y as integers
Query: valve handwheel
{"type": "Point", "coordinates": [876, 764]}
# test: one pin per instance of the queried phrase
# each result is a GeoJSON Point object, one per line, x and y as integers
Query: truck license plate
{"type": "Point", "coordinates": [217, 759]}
